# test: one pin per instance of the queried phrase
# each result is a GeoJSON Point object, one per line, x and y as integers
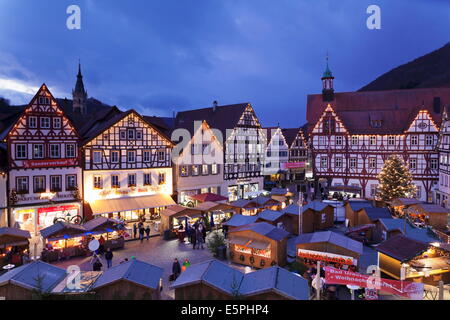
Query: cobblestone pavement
{"type": "Point", "coordinates": [155, 251]}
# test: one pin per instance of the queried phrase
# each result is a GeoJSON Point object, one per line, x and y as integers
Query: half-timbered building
{"type": "Point", "coordinates": [353, 133]}
{"type": "Point", "coordinates": [277, 154]}
{"type": "Point", "coordinates": [198, 165]}
{"type": "Point", "coordinates": [44, 169]}
{"type": "Point", "coordinates": [244, 145]}
{"type": "Point", "coordinates": [127, 167]}
{"type": "Point", "coordinates": [442, 190]}
{"type": "Point", "coordinates": [298, 167]}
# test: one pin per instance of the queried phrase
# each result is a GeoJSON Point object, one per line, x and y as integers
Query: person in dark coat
{"type": "Point", "coordinates": [194, 237]}
{"type": "Point", "coordinates": [135, 230]}
{"type": "Point", "coordinates": [109, 256]}
{"type": "Point", "coordinates": [141, 233]}
{"type": "Point", "coordinates": [147, 232]}
{"type": "Point", "coordinates": [176, 268]}
{"type": "Point", "coordinates": [97, 265]}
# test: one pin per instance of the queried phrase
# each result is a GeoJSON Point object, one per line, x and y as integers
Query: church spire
{"type": "Point", "coordinates": [327, 83]}
{"type": "Point", "coordinates": [79, 94]}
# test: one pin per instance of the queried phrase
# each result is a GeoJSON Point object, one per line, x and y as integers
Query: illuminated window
{"type": "Point", "coordinates": [161, 178]}
{"type": "Point", "coordinates": [214, 168]}
{"type": "Point", "coordinates": [195, 170]}
{"type": "Point", "coordinates": [184, 171]}
{"type": "Point", "coordinates": [205, 169]}
{"type": "Point", "coordinates": [38, 151]}
{"type": "Point", "coordinates": [98, 182]}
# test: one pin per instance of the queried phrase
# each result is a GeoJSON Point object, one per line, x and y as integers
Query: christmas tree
{"type": "Point", "coordinates": [395, 180]}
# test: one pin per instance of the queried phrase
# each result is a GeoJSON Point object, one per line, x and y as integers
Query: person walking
{"type": "Point", "coordinates": [147, 232]}
{"type": "Point", "coordinates": [194, 237]}
{"type": "Point", "coordinates": [186, 264]}
{"type": "Point", "coordinates": [97, 265]}
{"type": "Point", "coordinates": [176, 269]}
{"type": "Point", "coordinates": [109, 256]}
{"type": "Point", "coordinates": [141, 233]}
{"type": "Point", "coordinates": [203, 230]}
{"type": "Point", "coordinates": [135, 228]}
{"type": "Point", "coordinates": [200, 239]}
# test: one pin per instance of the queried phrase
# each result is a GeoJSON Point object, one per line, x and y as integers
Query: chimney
{"type": "Point", "coordinates": [215, 103]}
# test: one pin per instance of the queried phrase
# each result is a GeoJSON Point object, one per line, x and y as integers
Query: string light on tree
{"type": "Point", "coordinates": [395, 180]}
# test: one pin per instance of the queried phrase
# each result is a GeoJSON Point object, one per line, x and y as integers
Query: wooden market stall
{"type": "Point", "coordinates": [281, 194]}
{"type": "Point", "coordinates": [239, 220]}
{"type": "Point", "coordinates": [13, 243]}
{"type": "Point", "coordinates": [245, 207]}
{"type": "Point", "coordinates": [260, 245]}
{"type": "Point", "coordinates": [330, 248]}
{"type": "Point", "coordinates": [399, 205]}
{"type": "Point", "coordinates": [404, 258]}
{"type": "Point", "coordinates": [351, 209]}
{"type": "Point", "coordinates": [111, 230]}
{"type": "Point", "coordinates": [264, 203]}
{"type": "Point", "coordinates": [172, 217]}
{"type": "Point", "coordinates": [425, 214]}
{"type": "Point", "coordinates": [216, 212]}
{"type": "Point", "coordinates": [316, 216]}
{"type": "Point", "coordinates": [64, 240]}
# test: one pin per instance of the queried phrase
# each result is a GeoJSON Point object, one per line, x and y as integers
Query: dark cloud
{"type": "Point", "coordinates": [160, 55]}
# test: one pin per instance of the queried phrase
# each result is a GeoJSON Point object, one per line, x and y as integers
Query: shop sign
{"type": "Point", "coordinates": [49, 163]}
{"type": "Point", "coordinates": [57, 195]}
{"type": "Point", "coordinates": [408, 289]}
{"type": "Point", "coordinates": [293, 165]}
{"type": "Point", "coordinates": [57, 208]}
{"type": "Point", "coordinates": [325, 256]}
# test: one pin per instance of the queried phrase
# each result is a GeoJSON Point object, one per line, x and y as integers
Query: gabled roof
{"type": "Point", "coordinates": [316, 205]}
{"type": "Point", "coordinates": [404, 201]}
{"type": "Point", "coordinates": [397, 108]}
{"type": "Point", "coordinates": [222, 117]}
{"type": "Point", "coordinates": [238, 220]}
{"type": "Point", "coordinates": [283, 282]}
{"type": "Point", "coordinates": [214, 273]}
{"type": "Point", "coordinates": [270, 215]}
{"type": "Point", "coordinates": [432, 208]}
{"type": "Point", "coordinates": [402, 248]}
{"type": "Point", "coordinates": [357, 205]}
{"type": "Point", "coordinates": [58, 229]}
{"type": "Point", "coordinates": [419, 234]}
{"type": "Point", "coordinates": [243, 203]}
{"type": "Point", "coordinates": [290, 134]}
{"type": "Point", "coordinates": [29, 275]}
{"type": "Point", "coordinates": [16, 232]}
{"type": "Point", "coordinates": [265, 229]}
{"type": "Point", "coordinates": [331, 237]}
{"type": "Point", "coordinates": [263, 200]}
{"type": "Point", "coordinates": [377, 213]}
{"type": "Point", "coordinates": [293, 209]}
{"type": "Point", "coordinates": [233, 282]}
{"type": "Point", "coordinates": [138, 272]}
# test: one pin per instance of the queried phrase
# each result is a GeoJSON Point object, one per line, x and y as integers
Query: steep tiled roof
{"type": "Point", "coordinates": [397, 108]}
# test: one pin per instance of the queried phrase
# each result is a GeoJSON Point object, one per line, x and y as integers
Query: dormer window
{"type": "Point", "coordinates": [375, 123]}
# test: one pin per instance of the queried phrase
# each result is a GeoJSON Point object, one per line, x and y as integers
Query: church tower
{"type": "Point", "coordinates": [79, 95]}
{"type": "Point", "coordinates": [327, 85]}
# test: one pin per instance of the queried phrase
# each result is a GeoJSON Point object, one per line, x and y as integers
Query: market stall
{"type": "Point", "coordinates": [259, 245]}
{"type": "Point", "coordinates": [331, 248]}
{"type": "Point", "coordinates": [111, 230]}
{"type": "Point", "coordinates": [64, 240]}
{"type": "Point", "coordinates": [174, 216]}
{"type": "Point", "coordinates": [207, 197]}
{"type": "Point", "coordinates": [245, 207]}
{"type": "Point", "coordinates": [424, 214]}
{"type": "Point", "coordinates": [399, 205]}
{"type": "Point", "coordinates": [216, 211]}
{"type": "Point", "coordinates": [403, 258]}
{"type": "Point", "coordinates": [13, 243]}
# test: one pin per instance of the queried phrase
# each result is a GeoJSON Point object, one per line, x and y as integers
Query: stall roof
{"type": "Point", "coordinates": [402, 248]}
{"type": "Point", "coordinates": [208, 197]}
{"type": "Point", "coordinates": [214, 273]}
{"type": "Point", "coordinates": [263, 200]}
{"type": "Point", "coordinates": [27, 275]}
{"type": "Point", "coordinates": [280, 280]}
{"type": "Point", "coordinates": [61, 227]}
{"type": "Point", "coordinates": [87, 279]}
{"type": "Point", "coordinates": [211, 206]}
{"type": "Point", "coordinates": [97, 222]}
{"type": "Point", "coordinates": [243, 203]}
{"type": "Point", "coordinates": [404, 202]}
{"type": "Point", "coordinates": [270, 215]}
{"type": "Point", "coordinates": [178, 210]}
{"type": "Point", "coordinates": [357, 205]}
{"type": "Point", "coordinates": [238, 220]}
{"type": "Point", "coordinates": [239, 240]}
{"type": "Point", "coordinates": [377, 213]}
{"type": "Point", "coordinates": [280, 192]}
{"type": "Point", "coordinates": [419, 234]}
{"type": "Point", "coordinates": [135, 271]}
{"type": "Point", "coordinates": [131, 203]}
{"type": "Point", "coordinates": [260, 245]}
{"type": "Point", "coordinates": [292, 209]}
{"type": "Point", "coordinates": [331, 237]}
{"type": "Point", "coordinates": [316, 206]}
{"type": "Point", "coordinates": [264, 229]}
{"type": "Point", "coordinates": [432, 208]}
{"type": "Point", "coordinates": [15, 232]}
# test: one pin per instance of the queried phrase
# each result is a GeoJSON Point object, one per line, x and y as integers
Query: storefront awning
{"type": "Point", "coordinates": [239, 241]}
{"type": "Point", "coordinates": [260, 245]}
{"type": "Point", "coordinates": [132, 203]}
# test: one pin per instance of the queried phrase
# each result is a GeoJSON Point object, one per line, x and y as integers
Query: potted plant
{"type": "Point", "coordinates": [216, 244]}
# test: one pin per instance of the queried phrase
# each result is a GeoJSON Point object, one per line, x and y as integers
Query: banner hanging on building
{"type": "Point", "coordinates": [411, 290]}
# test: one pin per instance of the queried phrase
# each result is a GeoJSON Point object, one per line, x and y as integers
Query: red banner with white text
{"type": "Point", "coordinates": [407, 289]}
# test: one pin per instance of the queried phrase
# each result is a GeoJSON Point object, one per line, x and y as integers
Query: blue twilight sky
{"type": "Point", "coordinates": [160, 56]}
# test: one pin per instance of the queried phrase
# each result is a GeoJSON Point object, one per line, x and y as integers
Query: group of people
{"type": "Point", "coordinates": [17, 256]}
{"type": "Point", "coordinates": [195, 233]}
{"type": "Point", "coordinates": [138, 228]}
{"type": "Point", "coordinates": [108, 255]}
{"type": "Point", "coordinates": [177, 268]}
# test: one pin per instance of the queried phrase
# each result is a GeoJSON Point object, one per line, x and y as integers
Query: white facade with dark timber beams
{"type": "Point", "coordinates": [442, 190]}
{"type": "Point", "coordinates": [127, 168]}
{"type": "Point", "coordinates": [44, 171]}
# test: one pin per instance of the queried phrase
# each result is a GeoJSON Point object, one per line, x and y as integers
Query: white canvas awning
{"type": "Point", "coordinates": [132, 203]}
